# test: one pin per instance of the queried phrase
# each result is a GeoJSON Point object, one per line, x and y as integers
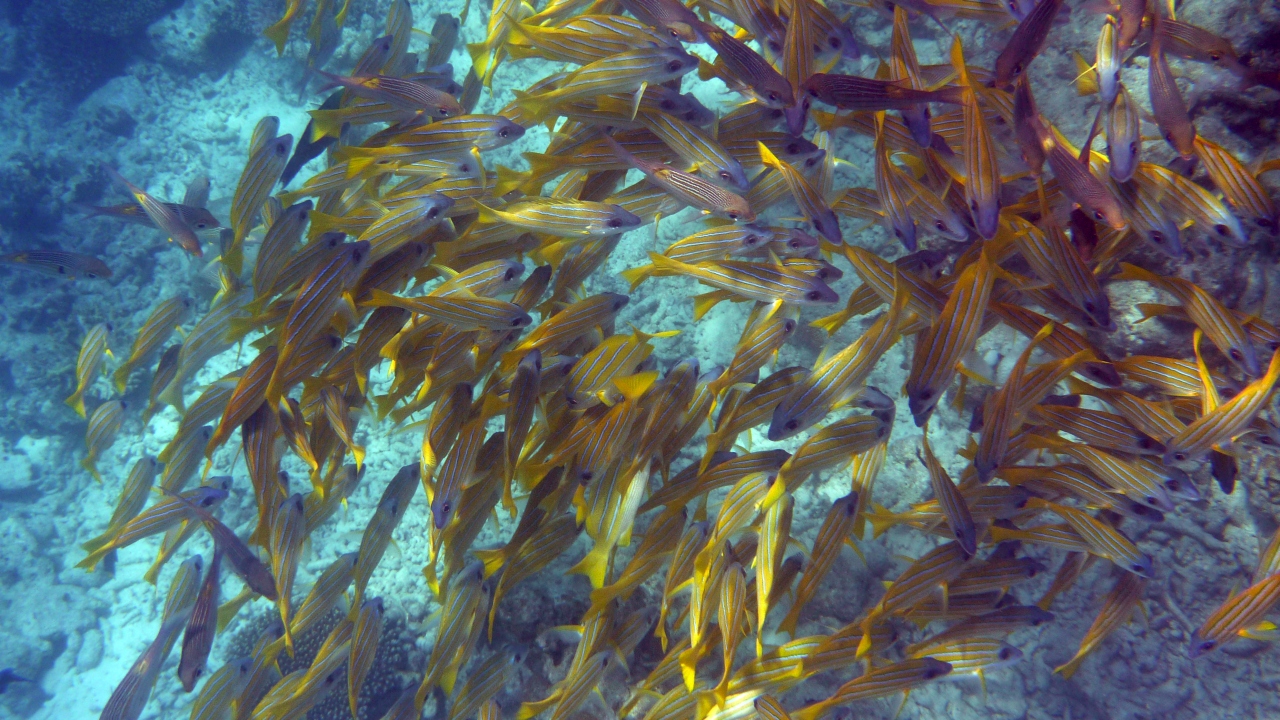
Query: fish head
{"type": "Point", "coordinates": [986, 216]}
{"type": "Point", "coordinates": [1179, 485]}
{"type": "Point", "coordinates": [620, 219]}
{"type": "Point", "coordinates": [737, 209]}
{"type": "Point", "coordinates": [1181, 136]}
{"type": "Point", "coordinates": [733, 176]}
{"type": "Point", "coordinates": [1200, 645]}
{"type": "Point", "coordinates": [828, 226]}
{"type": "Point", "coordinates": [434, 206]}
{"type": "Point", "coordinates": [787, 421]}
{"type": "Point", "coordinates": [905, 232]}
{"type": "Point", "coordinates": [921, 401]}
{"type": "Point", "coordinates": [1229, 230]}
{"type": "Point", "coordinates": [797, 151]}
{"type": "Point", "coordinates": [1166, 236]}
{"type": "Point", "coordinates": [504, 132]}
{"type": "Point", "coordinates": [694, 112]}
{"type": "Point", "coordinates": [950, 226]}
{"type": "Point", "coordinates": [679, 62]}
{"type": "Point", "coordinates": [1141, 566]}
{"type": "Point", "coordinates": [819, 292]}
{"type": "Point", "coordinates": [798, 114]}
{"type": "Point", "coordinates": [443, 506]}
{"type": "Point", "coordinates": [1103, 373]}
{"type": "Point", "coordinates": [1007, 655]}
{"type": "Point", "coordinates": [919, 123]}
{"type": "Point", "coordinates": [1124, 159]}
{"type": "Point", "coordinates": [934, 668]}
{"type": "Point", "coordinates": [1097, 311]}
{"type": "Point", "coordinates": [801, 242]}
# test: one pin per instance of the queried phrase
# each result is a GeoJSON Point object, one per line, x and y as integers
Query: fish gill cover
{"type": "Point", "coordinates": [960, 354]}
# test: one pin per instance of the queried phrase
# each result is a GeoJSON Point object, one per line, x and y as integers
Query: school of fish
{"type": "Point", "coordinates": [413, 283]}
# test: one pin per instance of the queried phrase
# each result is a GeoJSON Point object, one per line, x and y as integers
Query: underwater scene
{"type": "Point", "coordinates": [635, 359]}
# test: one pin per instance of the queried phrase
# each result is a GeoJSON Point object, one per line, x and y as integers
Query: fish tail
{"type": "Point", "coordinates": [703, 303]}
{"type": "Point", "coordinates": [90, 463]}
{"type": "Point", "coordinates": [593, 565]}
{"type": "Point", "coordinates": [121, 376]}
{"type": "Point", "coordinates": [638, 275]}
{"type": "Point", "coordinates": [768, 158]}
{"type": "Point", "coordinates": [152, 575]}
{"type": "Point", "coordinates": [1070, 667]}
{"type": "Point", "coordinates": [831, 324]}
{"type": "Point", "coordinates": [492, 559]}
{"type": "Point", "coordinates": [92, 559]}
{"type": "Point", "coordinates": [76, 401]}
{"type": "Point", "coordinates": [279, 33]}
{"type": "Point", "coordinates": [488, 214]}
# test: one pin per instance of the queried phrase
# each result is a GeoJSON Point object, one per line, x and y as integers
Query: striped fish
{"type": "Point", "coordinates": [1104, 540]}
{"type": "Point", "coordinates": [261, 173]}
{"type": "Point", "coordinates": [164, 318]}
{"type": "Point", "coordinates": [288, 532]}
{"type": "Point", "coordinates": [1166, 100]}
{"type": "Point", "coordinates": [100, 435]}
{"type": "Point", "coordinates": [696, 148]}
{"type": "Point", "coordinates": [402, 93]}
{"type": "Point", "coordinates": [164, 216]}
{"type": "Point", "coordinates": [1124, 145]}
{"type": "Point", "coordinates": [197, 639]}
{"type": "Point", "coordinates": [554, 333]}
{"type": "Point", "coordinates": [1242, 190]}
{"type": "Point", "coordinates": [687, 187]}
{"type": "Point", "coordinates": [1217, 322]}
{"type": "Point", "coordinates": [616, 73]}
{"type": "Point", "coordinates": [1224, 422]}
{"type": "Point", "coordinates": [448, 138]}
{"type": "Point", "coordinates": [1136, 480]}
{"type": "Point", "coordinates": [1025, 44]}
{"type": "Point", "coordinates": [954, 508]}
{"type": "Point", "coordinates": [403, 222]}
{"type": "Point", "coordinates": [982, 173]}
{"type": "Point", "coordinates": [129, 698]}
{"type": "Point", "coordinates": [248, 394]}
{"type": "Point", "coordinates": [840, 379]}
{"type": "Point", "coordinates": [949, 339]}
{"type": "Point", "coordinates": [878, 682]}
{"type": "Point", "coordinates": [562, 218]}
{"type": "Point", "coordinates": [1054, 259]}
{"type": "Point", "coordinates": [59, 262]}
{"type": "Point", "coordinates": [1237, 616]}
{"type": "Point", "coordinates": [763, 282]}
{"type": "Point", "coordinates": [894, 199]}
{"type": "Point", "coordinates": [364, 643]}
{"type": "Point", "coordinates": [221, 690]}
{"type": "Point", "coordinates": [1192, 201]}
{"type": "Point", "coordinates": [460, 311]}
{"type": "Point", "coordinates": [391, 508]}
{"type": "Point", "coordinates": [745, 70]}
{"type": "Point", "coordinates": [811, 202]}
{"type": "Point", "coordinates": [92, 350]}
{"type": "Point", "coordinates": [1117, 608]}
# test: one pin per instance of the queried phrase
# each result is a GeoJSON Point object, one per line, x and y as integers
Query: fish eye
{"type": "Point", "coordinates": [813, 295]}
{"type": "Point", "coordinates": [939, 225]}
{"type": "Point", "coordinates": [518, 322]}
{"type": "Point", "coordinates": [792, 425]}
{"type": "Point", "coordinates": [445, 507]}
{"type": "Point", "coordinates": [732, 215]}
{"type": "Point", "coordinates": [509, 274]}
{"type": "Point", "coordinates": [1151, 500]}
{"type": "Point", "coordinates": [773, 96]}
{"type": "Point", "coordinates": [1005, 653]}
{"type": "Point", "coordinates": [1236, 355]}
{"type": "Point", "coordinates": [789, 325]}
{"type": "Point", "coordinates": [614, 223]}
{"type": "Point", "coordinates": [503, 133]}
{"type": "Point", "coordinates": [1157, 237]}
{"type": "Point", "coordinates": [973, 205]}
{"type": "Point", "coordinates": [751, 240]}
{"type": "Point", "coordinates": [794, 244]}
{"type": "Point", "coordinates": [675, 66]}
{"type": "Point", "coordinates": [1133, 147]}
{"type": "Point", "coordinates": [432, 213]}
{"type": "Point", "coordinates": [1222, 230]}
{"type": "Point", "coordinates": [793, 148]}
{"type": "Point", "coordinates": [835, 43]}
{"type": "Point", "coordinates": [1017, 69]}
{"type": "Point", "coordinates": [1215, 57]}
{"type": "Point", "coordinates": [1206, 646]}
{"type": "Point", "coordinates": [443, 111]}
{"type": "Point", "coordinates": [1168, 137]}
{"type": "Point", "coordinates": [1139, 567]}
{"type": "Point", "coordinates": [1097, 215]}
{"type": "Point", "coordinates": [926, 395]}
